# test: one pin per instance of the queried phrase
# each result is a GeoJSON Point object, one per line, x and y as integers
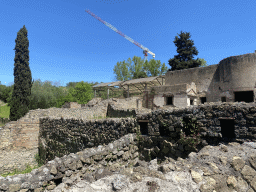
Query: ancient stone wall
{"type": "Point", "coordinates": [21, 137]}
{"type": "Point", "coordinates": [18, 144]}
{"type": "Point", "coordinates": [73, 135]}
{"type": "Point", "coordinates": [123, 150]}
{"type": "Point", "coordinates": [233, 74]}
{"type": "Point", "coordinates": [156, 141]}
{"type": "Point", "coordinates": [73, 105]}
{"type": "Point", "coordinates": [216, 120]}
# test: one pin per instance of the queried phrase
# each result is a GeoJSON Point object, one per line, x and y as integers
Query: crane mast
{"type": "Point", "coordinates": [145, 50]}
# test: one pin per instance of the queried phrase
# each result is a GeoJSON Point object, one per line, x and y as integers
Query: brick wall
{"type": "Point", "coordinates": [18, 144]}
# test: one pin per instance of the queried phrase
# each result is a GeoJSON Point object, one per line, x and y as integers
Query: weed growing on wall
{"type": "Point", "coordinates": [191, 137]}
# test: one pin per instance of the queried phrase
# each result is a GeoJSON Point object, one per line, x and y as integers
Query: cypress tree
{"type": "Point", "coordinates": [22, 77]}
{"type": "Point", "coordinates": [186, 51]}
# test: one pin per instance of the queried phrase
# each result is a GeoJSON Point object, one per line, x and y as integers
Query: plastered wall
{"type": "Point", "coordinates": [236, 73]}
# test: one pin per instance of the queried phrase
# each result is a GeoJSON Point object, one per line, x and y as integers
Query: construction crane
{"type": "Point", "coordinates": [145, 50]}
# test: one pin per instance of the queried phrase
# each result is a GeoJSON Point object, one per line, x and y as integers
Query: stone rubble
{"type": "Point", "coordinates": [84, 171]}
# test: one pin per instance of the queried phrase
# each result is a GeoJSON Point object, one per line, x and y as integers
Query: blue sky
{"type": "Point", "coordinates": [67, 44]}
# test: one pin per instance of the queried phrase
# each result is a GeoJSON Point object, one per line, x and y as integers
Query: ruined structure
{"type": "Point", "coordinates": [233, 79]}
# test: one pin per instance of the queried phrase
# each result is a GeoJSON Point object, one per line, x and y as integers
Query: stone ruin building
{"type": "Point", "coordinates": [232, 80]}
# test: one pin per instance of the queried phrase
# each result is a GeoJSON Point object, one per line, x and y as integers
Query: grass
{"type": "Point", "coordinates": [4, 113]}
{"type": "Point", "coordinates": [27, 170]}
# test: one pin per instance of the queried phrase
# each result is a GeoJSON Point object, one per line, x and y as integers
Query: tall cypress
{"type": "Point", "coordinates": [186, 51]}
{"type": "Point", "coordinates": [22, 77]}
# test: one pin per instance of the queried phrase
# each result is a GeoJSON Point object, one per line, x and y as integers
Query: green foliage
{"type": "Point", "coordinates": [4, 92]}
{"type": "Point", "coordinates": [136, 68]}
{"type": "Point", "coordinates": [122, 71]}
{"type": "Point", "coordinates": [203, 62]}
{"type": "Point", "coordinates": [186, 51]}
{"type": "Point", "coordinates": [191, 137]}
{"type": "Point", "coordinates": [63, 99]}
{"type": "Point", "coordinates": [22, 77]}
{"type": "Point", "coordinates": [155, 68]}
{"type": "Point", "coordinates": [82, 92]}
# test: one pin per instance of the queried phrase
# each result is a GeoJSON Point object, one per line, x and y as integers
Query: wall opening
{"type": "Point", "coordinates": [223, 99]}
{"type": "Point", "coordinates": [143, 128]}
{"type": "Point", "coordinates": [227, 128]}
{"type": "Point", "coordinates": [246, 96]}
{"type": "Point", "coordinates": [191, 101]}
{"type": "Point", "coordinates": [203, 99]}
{"type": "Point", "coordinates": [169, 101]}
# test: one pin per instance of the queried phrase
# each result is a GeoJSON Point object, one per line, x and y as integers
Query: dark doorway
{"type": "Point", "coordinates": [203, 100]}
{"type": "Point", "coordinates": [246, 96]}
{"type": "Point", "coordinates": [169, 101]}
{"type": "Point", "coordinates": [143, 128]}
{"type": "Point", "coordinates": [223, 99]}
{"type": "Point", "coordinates": [191, 101]}
{"type": "Point", "coordinates": [227, 128]}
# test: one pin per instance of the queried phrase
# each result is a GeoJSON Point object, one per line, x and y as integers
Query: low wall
{"type": "Point", "coordinates": [114, 111]}
{"type": "Point", "coordinates": [123, 150]}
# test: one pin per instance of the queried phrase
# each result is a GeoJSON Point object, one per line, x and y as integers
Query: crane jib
{"type": "Point", "coordinates": [146, 50]}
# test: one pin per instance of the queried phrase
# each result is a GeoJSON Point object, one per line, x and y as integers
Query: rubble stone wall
{"type": "Point", "coordinates": [117, 145]}
{"type": "Point", "coordinates": [21, 137]}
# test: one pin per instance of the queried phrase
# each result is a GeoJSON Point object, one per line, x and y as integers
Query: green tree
{"type": "Point", "coordinates": [186, 51]}
{"type": "Point", "coordinates": [122, 71]}
{"type": "Point", "coordinates": [22, 77]}
{"type": "Point", "coordinates": [63, 99]}
{"type": "Point", "coordinates": [82, 92]}
{"type": "Point", "coordinates": [44, 95]}
{"type": "Point", "coordinates": [4, 92]}
{"type": "Point", "coordinates": [204, 64]}
{"type": "Point", "coordinates": [154, 68]}
{"type": "Point", "coordinates": [136, 68]}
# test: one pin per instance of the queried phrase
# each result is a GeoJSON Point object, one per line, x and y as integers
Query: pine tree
{"type": "Point", "coordinates": [22, 77]}
{"type": "Point", "coordinates": [186, 51]}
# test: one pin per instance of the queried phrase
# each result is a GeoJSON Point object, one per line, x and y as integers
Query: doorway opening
{"type": "Point", "coordinates": [223, 99]}
{"type": "Point", "coordinates": [227, 128]}
{"type": "Point", "coordinates": [203, 99]}
{"type": "Point", "coordinates": [143, 128]}
{"type": "Point", "coordinates": [169, 100]}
